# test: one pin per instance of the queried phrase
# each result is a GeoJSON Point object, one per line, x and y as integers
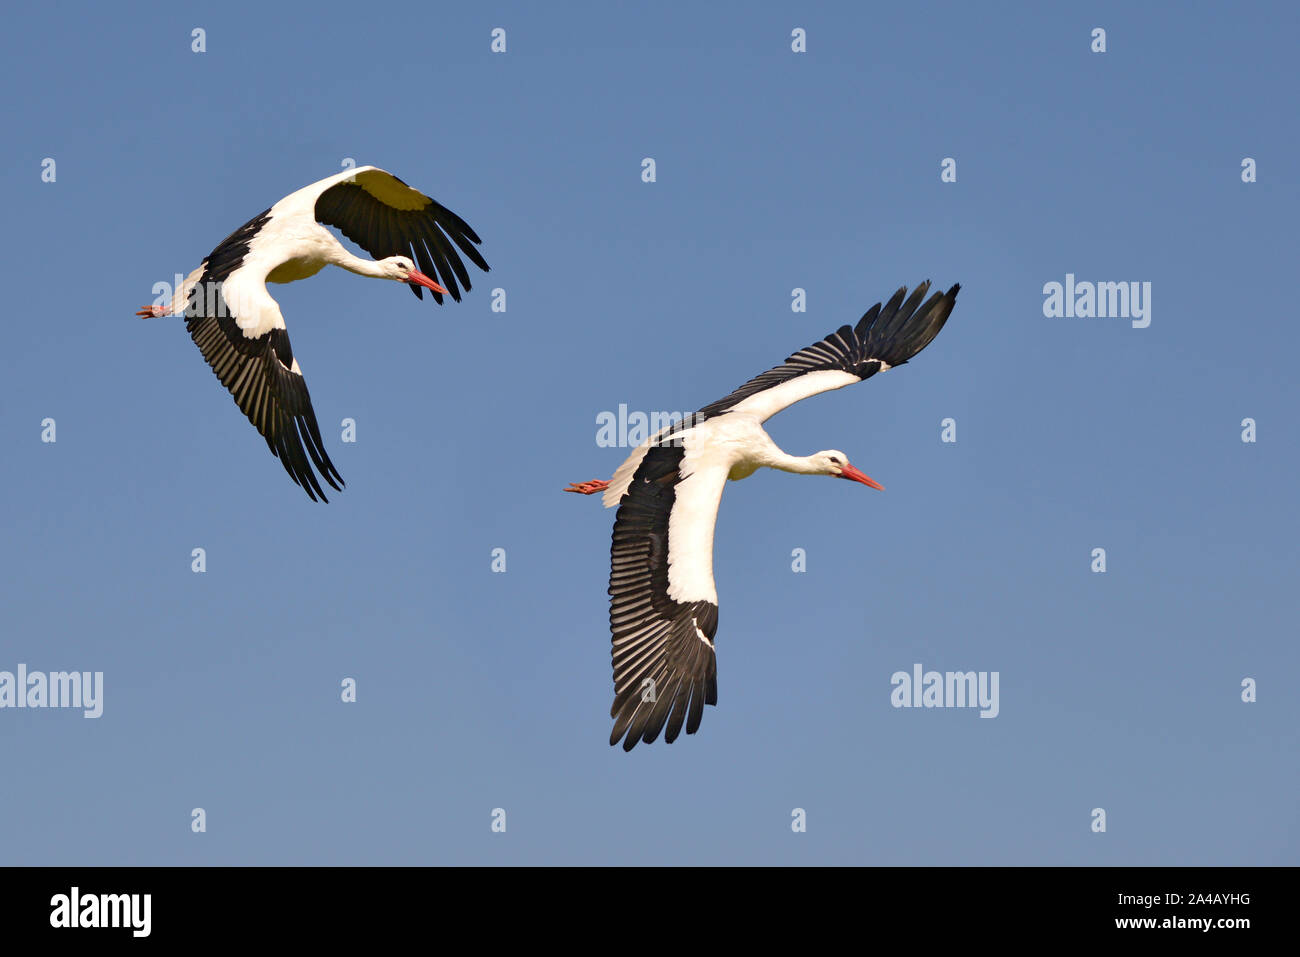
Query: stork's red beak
{"type": "Point", "coordinates": [420, 278]}
{"type": "Point", "coordinates": [849, 472]}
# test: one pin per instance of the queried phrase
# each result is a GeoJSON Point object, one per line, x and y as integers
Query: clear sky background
{"type": "Point", "coordinates": [480, 690]}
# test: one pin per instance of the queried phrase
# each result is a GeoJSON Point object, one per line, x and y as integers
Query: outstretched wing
{"type": "Point", "coordinates": [385, 217]}
{"type": "Point", "coordinates": [883, 339]}
{"type": "Point", "coordinates": [663, 610]}
{"type": "Point", "coordinates": [255, 362]}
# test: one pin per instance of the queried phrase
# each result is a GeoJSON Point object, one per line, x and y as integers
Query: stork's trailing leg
{"type": "Point", "coordinates": [588, 488]}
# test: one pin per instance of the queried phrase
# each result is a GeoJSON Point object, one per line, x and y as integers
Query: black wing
{"type": "Point", "coordinates": [260, 373]}
{"type": "Point", "coordinates": [385, 217]}
{"type": "Point", "coordinates": [665, 669]}
{"type": "Point", "coordinates": [892, 335]}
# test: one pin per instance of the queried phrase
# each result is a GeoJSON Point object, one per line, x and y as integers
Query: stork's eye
{"type": "Point", "coordinates": [835, 461]}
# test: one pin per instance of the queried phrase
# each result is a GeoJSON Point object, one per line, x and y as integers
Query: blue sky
{"type": "Point", "coordinates": [774, 170]}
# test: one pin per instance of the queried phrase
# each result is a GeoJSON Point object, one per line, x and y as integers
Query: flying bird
{"type": "Point", "coordinates": [663, 612]}
{"type": "Point", "coordinates": [238, 326]}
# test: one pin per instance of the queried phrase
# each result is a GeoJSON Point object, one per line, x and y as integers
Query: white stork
{"type": "Point", "coordinates": [663, 610]}
{"type": "Point", "coordinates": [238, 326]}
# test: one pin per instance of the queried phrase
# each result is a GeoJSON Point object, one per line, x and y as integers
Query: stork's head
{"type": "Point", "coordinates": [403, 270]}
{"type": "Point", "coordinates": [836, 463]}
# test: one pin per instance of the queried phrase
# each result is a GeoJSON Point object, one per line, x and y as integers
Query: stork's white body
{"type": "Point", "coordinates": [731, 447]}
{"type": "Point", "coordinates": [290, 245]}
{"type": "Point", "coordinates": [740, 436]}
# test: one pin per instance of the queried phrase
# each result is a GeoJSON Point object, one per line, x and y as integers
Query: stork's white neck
{"type": "Point", "coordinates": [362, 267]}
{"type": "Point", "coordinates": [769, 454]}
{"type": "Point", "coordinates": [800, 465]}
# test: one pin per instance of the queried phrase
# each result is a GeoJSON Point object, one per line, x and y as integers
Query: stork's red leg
{"type": "Point", "coordinates": [588, 488]}
{"type": "Point", "coordinates": [152, 312]}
